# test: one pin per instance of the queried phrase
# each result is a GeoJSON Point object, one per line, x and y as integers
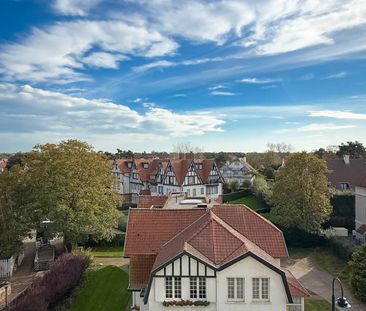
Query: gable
{"type": "Point", "coordinates": [192, 177]}
{"type": "Point", "coordinates": [169, 176]}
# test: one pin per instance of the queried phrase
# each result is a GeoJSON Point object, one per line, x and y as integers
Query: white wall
{"type": "Point", "coordinates": [247, 268]}
{"type": "Point", "coordinates": [360, 215]}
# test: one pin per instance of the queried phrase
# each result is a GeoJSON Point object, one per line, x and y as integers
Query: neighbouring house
{"type": "Point", "coordinates": [360, 213]}
{"type": "Point", "coordinates": [195, 177]}
{"type": "Point", "coordinates": [239, 170]}
{"type": "Point", "coordinates": [345, 173]}
{"type": "Point", "coordinates": [3, 163]}
{"type": "Point", "coordinates": [220, 257]}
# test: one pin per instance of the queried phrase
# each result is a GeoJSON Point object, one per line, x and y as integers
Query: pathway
{"type": "Point", "coordinates": [319, 281]}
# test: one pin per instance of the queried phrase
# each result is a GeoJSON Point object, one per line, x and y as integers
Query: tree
{"type": "Point", "coordinates": [15, 220]}
{"type": "Point", "coordinates": [262, 189]}
{"type": "Point", "coordinates": [15, 159]}
{"type": "Point", "coordinates": [234, 185]}
{"type": "Point", "coordinates": [354, 149]}
{"type": "Point", "coordinates": [185, 148]}
{"type": "Point", "coordinates": [72, 185]}
{"type": "Point", "coordinates": [301, 197]}
{"type": "Point", "coordinates": [358, 272]}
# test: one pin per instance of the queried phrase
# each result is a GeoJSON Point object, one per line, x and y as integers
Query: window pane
{"type": "Point", "coordinates": [177, 287]}
{"type": "Point", "coordinates": [230, 288]}
{"type": "Point", "coordinates": [265, 288]}
{"type": "Point", "coordinates": [255, 288]}
{"type": "Point", "coordinates": [240, 288]}
{"type": "Point", "coordinates": [202, 288]}
{"type": "Point", "coordinates": [193, 287]}
{"type": "Point", "coordinates": [168, 287]}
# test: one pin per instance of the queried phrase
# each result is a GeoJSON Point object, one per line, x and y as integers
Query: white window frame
{"type": "Point", "coordinates": [296, 305]}
{"type": "Point", "coordinates": [260, 289]}
{"type": "Point", "coordinates": [176, 285]}
{"type": "Point", "coordinates": [235, 289]}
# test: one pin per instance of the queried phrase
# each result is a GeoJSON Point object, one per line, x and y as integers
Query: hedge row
{"type": "Point", "coordinates": [47, 291]}
{"type": "Point", "coordinates": [236, 195]}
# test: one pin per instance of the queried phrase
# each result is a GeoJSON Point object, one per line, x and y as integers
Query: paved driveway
{"type": "Point", "coordinates": [318, 281]}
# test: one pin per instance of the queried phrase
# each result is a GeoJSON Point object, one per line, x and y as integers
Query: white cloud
{"type": "Point", "coordinates": [222, 93]}
{"type": "Point", "coordinates": [74, 7]}
{"type": "Point", "coordinates": [25, 109]}
{"type": "Point", "coordinates": [157, 64]}
{"type": "Point", "coordinates": [337, 75]}
{"type": "Point", "coordinates": [217, 87]}
{"type": "Point", "coordinates": [258, 81]}
{"type": "Point", "coordinates": [60, 52]}
{"type": "Point", "coordinates": [316, 127]}
{"type": "Point", "coordinates": [338, 114]}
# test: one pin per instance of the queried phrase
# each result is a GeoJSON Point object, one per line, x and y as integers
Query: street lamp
{"type": "Point", "coordinates": [341, 301]}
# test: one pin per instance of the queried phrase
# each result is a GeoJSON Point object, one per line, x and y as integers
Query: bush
{"type": "Point", "coordinates": [126, 206]}
{"type": "Point", "coordinates": [118, 240]}
{"type": "Point", "coordinates": [262, 189]}
{"type": "Point", "coordinates": [296, 237]}
{"type": "Point", "coordinates": [247, 184]}
{"type": "Point", "coordinates": [58, 282]}
{"type": "Point", "coordinates": [358, 276]}
{"type": "Point", "coordinates": [340, 247]}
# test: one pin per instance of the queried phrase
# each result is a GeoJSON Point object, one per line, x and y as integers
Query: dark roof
{"type": "Point", "coordinates": [353, 173]}
{"type": "Point", "coordinates": [361, 229]}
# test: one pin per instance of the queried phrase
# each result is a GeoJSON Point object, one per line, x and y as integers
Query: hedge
{"type": "Point", "coordinates": [236, 195]}
{"type": "Point", "coordinates": [343, 214]}
{"type": "Point", "coordinates": [57, 283]}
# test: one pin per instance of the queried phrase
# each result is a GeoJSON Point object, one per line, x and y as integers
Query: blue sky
{"type": "Point", "coordinates": [144, 75]}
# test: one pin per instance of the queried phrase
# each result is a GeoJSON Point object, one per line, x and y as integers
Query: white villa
{"type": "Point", "coordinates": [222, 258]}
{"type": "Point", "coordinates": [195, 177]}
{"type": "Point", "coordinates": [239, 170]}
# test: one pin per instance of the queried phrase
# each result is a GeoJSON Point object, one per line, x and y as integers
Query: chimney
{"type": "Point", "coordinates": [346, 159]}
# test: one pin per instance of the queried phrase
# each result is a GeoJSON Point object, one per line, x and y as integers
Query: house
{"type": "Point", "coordinates": [3, 163]}
{"type": "Point", "coordinates": [360, 213]}
{"type": "Point", "coordinates": [345, 173]}
{"type": "Point", "coordinates": [222, 257]}
{"type": "Point", "coordinates": [195, 177]}
{"type": "Point", "coordinates": [239, 170]}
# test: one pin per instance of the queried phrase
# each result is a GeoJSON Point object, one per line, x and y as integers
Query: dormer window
{"type": "Point", "coordinates": [145, 165]}
{"type": "Point", "coordinates": [129, 164]}
{"type": "Point", "coordinates": [199, 166]}
{"type": "Point", "coordinates": [344, 185]}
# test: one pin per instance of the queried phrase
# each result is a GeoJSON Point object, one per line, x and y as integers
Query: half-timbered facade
{"type": "Point", "coordinates": [211, 257]}
{"type": "Point", "coordinates": [195, 178]}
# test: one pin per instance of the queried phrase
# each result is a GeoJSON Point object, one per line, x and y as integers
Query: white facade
{"type": "Point", "coordinates": [360, 213]}
{"type": "Point", "coordinates": [216, 287]}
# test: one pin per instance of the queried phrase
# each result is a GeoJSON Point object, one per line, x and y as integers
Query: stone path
{"type": "Point", "coordinates": [119, 262]}
{"type": "Point", "coordinates": [318, 281]}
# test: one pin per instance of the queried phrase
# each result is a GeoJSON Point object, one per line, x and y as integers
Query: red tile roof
{"type": "Point", "coordinates": [361, 229]}
{"type": "Point", "coordinates": [140, 268]}
{"type": "Point", "coordinates": [3, 162]}
{"type": "Point", "coordinates": [123, 165]}
{"type": "Point", "coordinates": [296, 289]}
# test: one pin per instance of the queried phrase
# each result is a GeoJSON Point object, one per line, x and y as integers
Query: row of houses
{"type": "Point", "coordinates": [158, 177]}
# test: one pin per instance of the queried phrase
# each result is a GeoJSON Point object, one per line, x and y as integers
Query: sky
{"type": "Point", "coordinates": [228, 75]}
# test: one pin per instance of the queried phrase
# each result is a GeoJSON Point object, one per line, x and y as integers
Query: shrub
{"type": "Point", "coordinates": [45, 292]}
{"type": "Point", "coordinates": [247, 184]}
{"type": "Point", "coordinates": [296, 237]}
{"type": "Point", "coordinates": [358, 275]}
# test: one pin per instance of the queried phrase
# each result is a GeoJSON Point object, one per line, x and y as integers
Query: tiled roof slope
{"type": "Point", "coordinates": [353, 173]}
{"type": "Point", "coordinates": [140, 268]}
{"type": "Point", "coordinates": [122, 165]}
{"type": "Point", "coordinates": [149, 229]}
{"type": "Point", "coordinates": [296, 289]}
{"type": "Point", "coordinates": [254, 227]}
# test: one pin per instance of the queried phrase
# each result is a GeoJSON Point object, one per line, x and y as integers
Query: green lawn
{"type": "Point", "coordinates": [250, 200]}
{"type": "Point", "coordinates": [325, 260]}
{"type": "Point", "coordinates": [107, 251]}
{"type": "Point", "coordinates": [317, 305]}
{"type": "Point", "coordinates": [105, 289]}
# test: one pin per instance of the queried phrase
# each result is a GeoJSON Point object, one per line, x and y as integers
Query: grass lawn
{"type": "Point", "coordinates": [317, 305]}
{"type": "Point", "coordinates": [326, 260]}
{"type": "Point", "coordinates": [250, 200]}
{"type": "Point", "coordinates": [105, 289]}
{"type": "Point", "coordinates": [107, 251]}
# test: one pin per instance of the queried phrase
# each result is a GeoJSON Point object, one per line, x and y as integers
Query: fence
{"type": "Point", "coordinates": [6, 267]}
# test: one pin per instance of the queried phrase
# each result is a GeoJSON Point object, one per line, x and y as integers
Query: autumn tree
{"type": "Point", "coordinates": [72, 185]}
{"type": "Point", "coordinates": [301, 197]}
{"type": "Point", "coordinates": [354, 149]}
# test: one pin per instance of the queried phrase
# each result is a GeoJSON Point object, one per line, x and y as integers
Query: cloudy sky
{"type": "Point", "coordinates": [146, 74]}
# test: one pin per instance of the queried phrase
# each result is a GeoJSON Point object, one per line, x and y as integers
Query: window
{"type": "Point", "coordinates": [202, 190]}
{"type": "Point", "coordinates": [191, 180]}
{"type": "Point", "coordinates": [193, 288]}
{"type": "Point", "coordinates": [260, 288]}
{"type": "Point", "coordinates": [146, 165]}
{"type": "Point", "coordinates": [169, 287]}
{"type": "Point", "coordinates": [344, 185]}
{"type": "Point", "coordinates": [129, 164]}
{"type": "Point", "coordinates": [173, 290]}
{"type": "Point", "coordinates": [212, 189]}
{"type": "Point", "coordinates": [194, 192]}
{"type": "Point", "coordinates": [235, 289]}
{"type": "Point", "coordinates": [197, 291]}
{"type": "Point", "coordinates": [199, 166]}
{"type": "Point", "coordinates": [202, 288]}
{"type": "Point", "coordinates": [135, 176]}
{"type": "Point", "coordinates": [296, 305]}
{"type": "Point", "coordinates": [171, 180]}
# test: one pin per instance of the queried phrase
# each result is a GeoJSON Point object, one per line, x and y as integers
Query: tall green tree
{"type": "Point", "coordinates": [72, 185]}
{"type": "Point", "coordinates": [358, 272]}
{"type": "Point", "coordinates": [354, 149]}
{"type": "Point", "coordinates": [301, 197]}
{"type": "Point", "coordinates": [14, 218]}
